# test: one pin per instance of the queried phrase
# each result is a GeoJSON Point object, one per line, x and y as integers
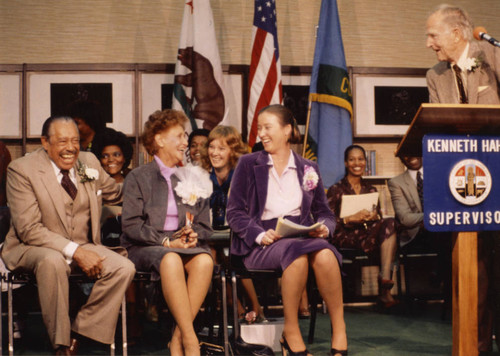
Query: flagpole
{"type": "Point", "coordinates": [307, 128]}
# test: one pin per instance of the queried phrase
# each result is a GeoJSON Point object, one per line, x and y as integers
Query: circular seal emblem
{"type": "Point", "coordinates": [470, 182]}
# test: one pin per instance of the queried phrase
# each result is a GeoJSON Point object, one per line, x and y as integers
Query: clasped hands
{"type": "Point", "coordinates": [271, 236]}
{"type": "Point", "coordinates": [183, 238]}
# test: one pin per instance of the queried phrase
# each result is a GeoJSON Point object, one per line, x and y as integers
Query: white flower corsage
{"type": "Point", "coordinates": [194, 183]}
{"type": "Point", "coordinates": [87, 174]}
{"type": "Point", "coordinates": [310, 178]}
{"type": "Point", "coordinates": [471, 64]}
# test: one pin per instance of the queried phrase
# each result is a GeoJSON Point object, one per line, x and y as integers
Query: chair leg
{"type": "Point", "coordinates": [10, 316]}
{"type": "Point", "coordinates": [224, 313]}
{"type": "Point", "coordinates": [314, 306]}
{"type": "Point", "coordinates": [236, 325]}
{"type": "Point", "coordinates": [124, 327]}
{"type": "Point", "coordinates": [1, 316]}
{"type": "Point", "coordinates": [398, 276]}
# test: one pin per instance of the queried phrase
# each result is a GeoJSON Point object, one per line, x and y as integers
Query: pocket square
{"type": "Point", "coordinates": [481, 88]}
{"type": "Point", "coordinates": [99, 192]}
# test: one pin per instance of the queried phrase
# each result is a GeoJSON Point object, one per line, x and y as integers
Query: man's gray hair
{"type": "Point", "coordinates": [455, 16]}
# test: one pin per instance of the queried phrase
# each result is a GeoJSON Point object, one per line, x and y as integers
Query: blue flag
{"type": "Point", "coordinates": [329, 129]}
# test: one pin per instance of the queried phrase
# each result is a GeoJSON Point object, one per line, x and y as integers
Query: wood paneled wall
{"type": "Point", "coordinates": [376, 33]}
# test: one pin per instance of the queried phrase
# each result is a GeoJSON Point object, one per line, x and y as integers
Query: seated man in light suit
{"type": "Point", "coordinates": [55, 230]}
{"type": "Point", "coordinates": [406, 200]}
{"type": "Point", "coordinates": [408, 206]}
{"type": "Point", "coordinates": [469, 72]}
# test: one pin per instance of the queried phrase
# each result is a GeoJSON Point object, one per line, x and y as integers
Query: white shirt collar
{"type": "Point", "coordinates": [290, 164]}
{"type": "Point", "coordinates": [413, 173]}
{"type": "Point", "coordinates": [461, 61]}
{"type": "Point", "coordinates": [58, 173]}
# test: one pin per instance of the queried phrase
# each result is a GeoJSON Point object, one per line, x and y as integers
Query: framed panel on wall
{"type": "Point", "coordinates": [52, 93]}
{"type": "Point", "coordinates": [386, 100]}
{"type": "Point", "coordinates": [10, 105]}
{"type": "Point", "coordinates": [296, 94]}
{"type": "Point", "coordinates": [157, 91]}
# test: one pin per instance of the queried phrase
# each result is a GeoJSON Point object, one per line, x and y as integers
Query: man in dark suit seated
{"type": "Point", "coordinates": [55, 196]}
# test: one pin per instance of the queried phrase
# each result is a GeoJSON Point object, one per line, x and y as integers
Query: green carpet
{"type": "Point", "coordinates": [420, 331]}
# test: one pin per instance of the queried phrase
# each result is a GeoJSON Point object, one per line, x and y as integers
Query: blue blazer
{"type": "Point", "coordinates": [248, 195]}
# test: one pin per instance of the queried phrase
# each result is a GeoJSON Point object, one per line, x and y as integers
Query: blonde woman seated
{"type": "Point", "coordinates": [223, 149]}
{"type": "Point", "coordinates": [274, 183]}
{"type": "Point", "coordinates": [159, 202]}
{"type": "Point", "coordinates": [365, 229]}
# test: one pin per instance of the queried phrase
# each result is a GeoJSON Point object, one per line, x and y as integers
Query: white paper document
{"type": "Point", "coordinates": [285, 228]}
{"type": "Point", "coordinates": [351, 204]}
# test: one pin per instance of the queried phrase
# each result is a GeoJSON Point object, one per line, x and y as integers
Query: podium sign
{"type": "Point", "coordinates": [461, 182]}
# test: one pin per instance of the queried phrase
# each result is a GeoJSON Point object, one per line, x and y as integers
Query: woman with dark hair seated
{"type": "Point", "coordinates": [196, 142]}
{"type": "Point", "coordinates": [115, 152]}
{"type": "Point", "coordinates": [166, 224]}
{"type": "Point", "coordinates": [277, 183]}
{"type": "Point", "coordinates": [365, 229]}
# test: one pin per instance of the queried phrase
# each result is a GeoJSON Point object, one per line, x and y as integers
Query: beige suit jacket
{"type": "Point", "coordinates": [407, 206]}
{"type": "Point", "coordinates": [37, 205]}
{"type": "Point", "coordinates": [482, 83]}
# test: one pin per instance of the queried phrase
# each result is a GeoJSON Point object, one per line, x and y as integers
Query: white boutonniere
{"type": "Point", "coordinates": [87, 174]}
{"type": "Point", "coordinates": [471, 64]}
{"type": "Point", "coordinates": [194, 183]}
{"type": "Point", "coordinates": [310, 178]}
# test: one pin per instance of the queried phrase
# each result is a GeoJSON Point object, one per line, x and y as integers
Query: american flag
{"type": "Point", "coordinates": [265, 67]}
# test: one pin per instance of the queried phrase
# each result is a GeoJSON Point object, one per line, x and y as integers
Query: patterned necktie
{"type": "Point", "coordinates": [67, 184]}
{"type": "Point", "coordinates": [420, 188]}
{"type": "Point", "coordinates": [460, 83]}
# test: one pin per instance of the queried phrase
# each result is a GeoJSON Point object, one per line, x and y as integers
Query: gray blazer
{"type": "Point", "coordinates": [482, 83]}
{"type": "Point", "coordinates": [145, 197]}
{"type": "Point", "coordinates": [407, 206]}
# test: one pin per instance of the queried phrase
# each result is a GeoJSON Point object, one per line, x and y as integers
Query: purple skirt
{"type": "Point", "coordinates": [281, 253]}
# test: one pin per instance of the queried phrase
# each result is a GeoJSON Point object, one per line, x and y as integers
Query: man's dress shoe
{"type": "Point", "coordinates": [70, 350]}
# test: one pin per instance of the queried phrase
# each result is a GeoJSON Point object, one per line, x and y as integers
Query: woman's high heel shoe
{"type": "Point", "coordinates": [334, 352]}
{"type": "Point", "coordinates": [286, 351]}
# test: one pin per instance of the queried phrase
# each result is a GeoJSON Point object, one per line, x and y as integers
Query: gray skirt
{"type": "Point", "coordinates": [148, 258]}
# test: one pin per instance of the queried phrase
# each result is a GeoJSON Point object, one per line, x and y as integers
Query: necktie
{"type": "Point", "coordinates": [420, 188]}
{"type": "Point", "coordinates": [67, 184]}
{"type": "Point", "coordinates": [460, 83]}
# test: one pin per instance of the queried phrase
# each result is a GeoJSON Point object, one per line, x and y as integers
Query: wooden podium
{"type": "Point", "coordinates": [462, 119]}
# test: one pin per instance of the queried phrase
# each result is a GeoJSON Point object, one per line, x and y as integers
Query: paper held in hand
{"type": "Point", "coordinates": [351, 204]}
{"type": "Point", "coordinates": [287, 228]}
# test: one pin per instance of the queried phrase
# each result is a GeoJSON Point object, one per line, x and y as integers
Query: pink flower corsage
{"type": "Point", "coordinates": [310, 178]}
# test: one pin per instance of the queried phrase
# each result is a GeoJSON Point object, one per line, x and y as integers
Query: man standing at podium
{"type": "Point", "coordinates": [468, 72]}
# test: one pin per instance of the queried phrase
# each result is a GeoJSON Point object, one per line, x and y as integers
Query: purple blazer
{"type": "Point", "coordinates": [248, 194]}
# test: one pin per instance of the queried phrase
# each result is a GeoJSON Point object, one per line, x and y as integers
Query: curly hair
{"type": "Point", "coordinates": [111, 137]}
{"type": "Point", "coordinates": [232, 138]}
{"type": "Point", "coordinates": [160, 121]}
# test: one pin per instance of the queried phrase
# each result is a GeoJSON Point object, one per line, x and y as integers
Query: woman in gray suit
{"type": "Point", "coordinates": [166, 224]}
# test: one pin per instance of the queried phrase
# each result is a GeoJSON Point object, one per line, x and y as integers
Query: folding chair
{"type": "Point", "coordinates": [238, 270]}
{"type": "Point", "coordinates": [24, 278]}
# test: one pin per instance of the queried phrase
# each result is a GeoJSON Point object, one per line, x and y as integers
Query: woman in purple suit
{"type": "Point", "coordinates": [277, 183]}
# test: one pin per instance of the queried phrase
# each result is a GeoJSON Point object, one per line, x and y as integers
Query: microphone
{"type": "Point", "coordinates": [481, 34]}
